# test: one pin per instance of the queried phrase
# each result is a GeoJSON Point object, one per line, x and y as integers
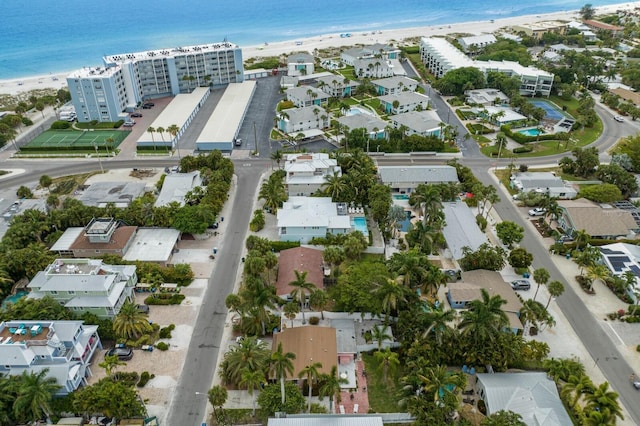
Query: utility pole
{"type": "Point", "coordinates": [255, 137]}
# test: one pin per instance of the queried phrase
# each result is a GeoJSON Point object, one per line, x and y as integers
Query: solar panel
{"type": "Point", "coordinates": [617, 266]}
{"type": "Point", "coordinates": [635, 270]}
{"type": "Point", "coordinates": [619, 259]}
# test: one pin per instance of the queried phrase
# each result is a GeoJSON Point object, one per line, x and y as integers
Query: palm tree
{"type": "Point", "coordinates": [330, 386]}
{"type": "Point", "coordinates": [250, 353]}
{"type": "Point", "coordinates": [273, 193]}
{"type": "Point", "coordinates": [440, 381]}
{"type": "Point", "coordinates": [263, 298]}
{"type": "Point", "coordinates": [35, 393]}
{"type": "Point", "coordinates": [173, 131]}
{"type": "Point", "coordinates": [541, 277]}
{"type": "Point", "coordinates": [290, 311]}
{"type": "Point", "coordinates": [161, 131]}
{"type": "Point", "coordinates": [380, 334]}
{"type": "Point", "coordinates": [597, 272]}
{"type": "Point", "coordinates": [411, 265]}
{"type": "Point", "coordinates": [575, 388]}
{"type": "Point", "coordinates": [391, 293]}
{"type": "Point", "coordinates": [130, 323]}
{"type": "Point", "coordinates": [310, 372]}
{"type": "Point", "coordinates": [484, 319]}
{"type": "Point", "coordinates": [556, 288]}
{"type": "Point", "coordinates": [388, 362]}
{"type": "Point", "coordinates": [252, 380]}
{"type": "Point", "coordinates": [426, 198]}
{"type": "Point", "coordinates": [319, 301]}
{"type": "Point", "coordinates": [277, 157]}
{"type": "Point", "coordinates": [562, 368]}
{"type": "Point", "coordinates": [281, 364]}
{"type": "Point", "coordinates": [217, 396]}
{"type": "Point", "coordinates": [334, 186]}
{"type": "Point", "coordinates": [110, 363]}
{"type": "Point", "coordinates": [604, 400]}
{"type": "Point", "coordinates": [302, 287]}
{"type": "Point", "coordinates": [439, 321]}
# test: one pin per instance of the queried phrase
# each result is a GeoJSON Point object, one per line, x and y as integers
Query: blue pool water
{"type": "Point", "coordinates": [13, 298]}
{"type": "Point", "coordinates": [531, 132]}
{"type": "Point", "coordinates": [552, 111]}
{"type": "Point", "coordinates": [405, 225]}
{"type": "Point", "coordinates": [357, 111]}
{"type": "Point", "coordinates": [401, 197]}
{"type": "Point", "coordinates": [360, 224]}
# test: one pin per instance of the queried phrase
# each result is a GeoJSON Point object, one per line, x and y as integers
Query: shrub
{"type": "Point", "coordinates": [117, 124]}
{"type": "Point", "coordinates": [144, 378]}
{"type": "Point", "coordinates": [162, 346]}
{"type": "Point", "coordinates": [27, 121]}
{"type": "Point", "coordinates": [482, 222]}
{"type": "Point", "coordinates": [314, 320]}
{"type": "Point", "coordinates": [257, 223]}
{"type": "Point", "coordinates": [60, 125]}
{"type": "Point", "coordinates": [522, 149]}
{"type": "Point", "coordinates": [128, 378]}
{"type": "Point", "coordinates": [638, 348]}
{"type": "Point", "coordinates": [165, 332]}
{"type": "Point", "coordinates": [164, 299]}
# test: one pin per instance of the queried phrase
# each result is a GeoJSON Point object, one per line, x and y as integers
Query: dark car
{"type": "Point", "coordinates": [136, 114]}
{"type": "Point", "coordinates": [124, 354]}
{"type": "Point", "coordinates": [520, 285]}
{"type": "Point", "coordinates": [143, 308]}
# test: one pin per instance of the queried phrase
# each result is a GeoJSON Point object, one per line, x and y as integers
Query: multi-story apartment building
{"type": "Point", "coordinates": [151, 74]}
{"type": "Point", "coordinates": [86, 285]}
{"type": "Point", "coordinates": [440, 57]}
{"type": "Point", "coordinates": [64, 348]}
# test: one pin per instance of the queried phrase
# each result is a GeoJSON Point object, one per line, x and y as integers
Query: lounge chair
{"type": "Point", "coordinates": [355, 408]}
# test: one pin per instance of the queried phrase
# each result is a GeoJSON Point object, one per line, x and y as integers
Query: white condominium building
{"type": "Point", "coordinates": [440, 57]}
{"type": "Point", "coordinates": [133, 77]}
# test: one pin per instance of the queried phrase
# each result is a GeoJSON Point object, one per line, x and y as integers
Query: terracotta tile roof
{"type": "Point", "coordinates": [602, 26]}
{"type": "Point", "coordinates": [595, 220]}
{"type": "Point", "coordinates": [119, 240]}
{"type": "Point", "coordinates": [299, 259]}
{"type": "Point", "coordinates": [311, 344]}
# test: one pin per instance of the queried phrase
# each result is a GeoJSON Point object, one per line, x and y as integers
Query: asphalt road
{"type": "Point", "coordinates": [188, 407]}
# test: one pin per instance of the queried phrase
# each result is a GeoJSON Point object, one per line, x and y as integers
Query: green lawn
{"type": "Point", "coordinates": [383, 397]}
{"type": "Point", "coordinates": [349, 73]}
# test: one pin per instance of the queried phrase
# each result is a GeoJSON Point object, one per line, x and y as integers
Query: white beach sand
{"type": "Point", "coordinates": [15, 86]}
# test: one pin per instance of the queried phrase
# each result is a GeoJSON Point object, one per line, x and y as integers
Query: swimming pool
{"type": "Point", "coordinates": [401, 196]}
{"type": "Point", "coordinates": [354, 110]}
{"type": "Point", "coordinates": [531, 132]}
{"type": "Point", "coordinates": [14, 298]}
{"type": "Point", "coordinates": [405, 225]}
{"type": "Point", "coordinates": [360, 224]}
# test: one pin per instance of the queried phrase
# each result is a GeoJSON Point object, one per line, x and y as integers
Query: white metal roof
{"type": "Point", "coordinates": [226, 119]}
{"type": "Point", "coordinates": [177, 112]}
{"type": "Point", "coordinates": [68, 238]}
{"type": "Point", "coordinates": [152, 244]}
{"type": "Point", "coordinates": [461, 229]}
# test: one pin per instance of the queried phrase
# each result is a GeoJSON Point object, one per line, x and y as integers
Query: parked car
{"type": "Point", "coordinates": [635, 381]}
{"type": "Point", "coordinates": [129, 123]}
{"type": "Point", "coordinates": [538, 211]}
{"type": "Point", "coordinates": [565, 239]}
{"type": "Point", "coordinates": [136, 114]}
{"type": "Point", "coordinates": [521, 285]}
{"type": "Point", "coordinates": [618, 118]}
{"type": "Point", "coordinates": [124, 354]}
{"type": "Point", "coordinates": [148, 105]}
{"type": "Point", "coordinates": [143, 308]}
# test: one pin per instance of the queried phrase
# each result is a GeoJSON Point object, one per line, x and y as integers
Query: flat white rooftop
{"type": "Point", "coordinates": [169, 52]}
{"type": "Point", "coordinates": [177, 112]}
{"type": "Point", "coordinates": [94, 72]}
{"type": "Point", "coordinates": [152, 245]}
{"type": "Point", "coordinates": [227, 117]}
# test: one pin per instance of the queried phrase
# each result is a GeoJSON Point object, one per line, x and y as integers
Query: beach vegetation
{"type": "Point", "coordinates": [587, 11]}
{"type": "Point", "coordinates": [269, 63]}
{"type": "Point", "coordinates": [506, 50]}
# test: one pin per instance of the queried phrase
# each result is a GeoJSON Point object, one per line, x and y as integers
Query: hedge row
{"type": "Point", "coordinates": [278, 246]}
{"type": "Point", "coordinates": [522, 149]}
{"type": "Point", "coordinates": [478, 129]}
{"type": "Point", "coordinates": [164, 299]}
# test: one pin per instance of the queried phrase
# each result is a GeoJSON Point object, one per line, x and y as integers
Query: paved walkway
{"type": "Point", "coordinates": [359, 398]}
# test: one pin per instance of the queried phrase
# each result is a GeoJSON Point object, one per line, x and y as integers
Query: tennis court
{"type": "Point", "coordinates": [76, 140]}
{"type": "Point", "coordinates": [553, 112]}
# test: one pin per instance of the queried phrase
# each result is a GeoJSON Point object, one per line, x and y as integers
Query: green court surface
{"type": "Point", "coordinates": [52, 140]}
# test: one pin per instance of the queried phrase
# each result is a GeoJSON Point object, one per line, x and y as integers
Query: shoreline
{"type": "Point", "coordinates": [16, 86]}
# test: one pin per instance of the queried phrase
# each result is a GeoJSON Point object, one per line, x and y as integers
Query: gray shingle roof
{"type": "Point", "coordinates": [423, 174]}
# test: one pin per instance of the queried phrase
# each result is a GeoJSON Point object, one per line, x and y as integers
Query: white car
{"type": "Point", "coordinates": [538, 211]}
{"type": "Point", "coordinates": [618, 118]}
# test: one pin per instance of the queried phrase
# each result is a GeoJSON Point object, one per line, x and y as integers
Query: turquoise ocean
{"type": "Point", "coordinates": [38, 37]}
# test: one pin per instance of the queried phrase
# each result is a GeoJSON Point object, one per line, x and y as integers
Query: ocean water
{"type": "Point", "coordinates": [42, 36]}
